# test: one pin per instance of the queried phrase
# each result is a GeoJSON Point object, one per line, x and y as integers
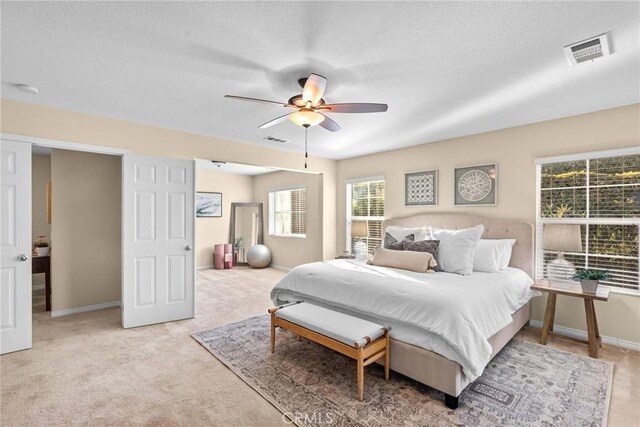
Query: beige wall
{"type": "Point", "coordinates": [52, 123]}
{"type": "Point", "coordinates": [40, 175]}
{"type": "Point", "coordinates": [86, 229]}
{"type": "Point", "coordinates": [292, 251]}
{"type": "Point", "coordinates": [209, 231]}
{"type": "Point", "coordinates": [514, 150]}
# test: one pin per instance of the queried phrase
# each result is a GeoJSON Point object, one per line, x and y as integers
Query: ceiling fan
{"type": "Point", "coordinates": [310, 106]}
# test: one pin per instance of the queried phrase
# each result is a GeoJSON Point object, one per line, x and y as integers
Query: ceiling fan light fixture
{"type": "Point", "coordinates": [306, 118]}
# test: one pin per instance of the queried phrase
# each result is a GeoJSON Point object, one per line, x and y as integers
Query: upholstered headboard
{"type": "Point", "coordinates": [522, 256]}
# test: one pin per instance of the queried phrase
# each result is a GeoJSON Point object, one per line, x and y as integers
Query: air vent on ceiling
{"type": "Point", "coordinates": [274, 139]}
{"type": "Point", "coordinates": [588, 50]}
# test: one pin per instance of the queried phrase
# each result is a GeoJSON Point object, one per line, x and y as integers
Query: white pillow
{"type": "Point", "coordinates": [399, 233]}
{"type": "Point", "coordinates": [493, 255]}
{"type": "Point", "coordinates": [457, 248]}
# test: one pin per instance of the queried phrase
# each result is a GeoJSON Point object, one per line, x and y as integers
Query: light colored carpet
{"type": "Point", "coordinates": [84, 369]}
{"type": "Point", "coordinates": [525, 384]}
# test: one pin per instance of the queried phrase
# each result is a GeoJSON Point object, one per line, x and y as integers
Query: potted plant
{"type": "Point", "coordinates": [42, 247]}
{"type": "Point", "coordinates": [590, 279]}
{"type": "Point", "coordinates": [238, 242]}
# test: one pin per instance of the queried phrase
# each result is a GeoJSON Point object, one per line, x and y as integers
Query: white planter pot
{"type": "Point", "coordinates": [589, 286]}
{"type": "Point", "coordinates": [42, 251]}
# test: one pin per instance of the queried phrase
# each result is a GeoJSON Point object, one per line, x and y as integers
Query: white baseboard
{"type": "Point", "coordinates": [83, 309]}
{"type": "Point", "coordinates": [582, 335]}
{"type": "Point", "coordinates": [37, 288]}
{"type": "Point", "coordinates": [210, 267]}
{"type": "Point", "coordinates": [280, 267]}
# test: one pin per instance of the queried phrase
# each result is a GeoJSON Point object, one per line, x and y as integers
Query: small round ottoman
{"type": "Point", "coordinates": [259, 256]}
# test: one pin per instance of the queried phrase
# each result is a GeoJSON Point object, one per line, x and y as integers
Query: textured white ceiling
{"type": "Point", "coordinates": [446, 69]}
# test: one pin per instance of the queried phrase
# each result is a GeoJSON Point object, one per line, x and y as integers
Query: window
{"type": "Point", "coordinates": [288, 212]}
{"type": "Point", "coordinates": [601, 192]}
{"type": "Point", "coordinates": [365, 201]}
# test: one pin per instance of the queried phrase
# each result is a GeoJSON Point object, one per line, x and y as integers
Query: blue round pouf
{"type": "Point", "coordinates": [259, 256]}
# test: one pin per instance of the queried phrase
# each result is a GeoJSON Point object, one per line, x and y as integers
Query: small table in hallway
{"type": "Point", "coordinates": [42, 264]}
{"type": "Point", "coordinates": [572, 289]}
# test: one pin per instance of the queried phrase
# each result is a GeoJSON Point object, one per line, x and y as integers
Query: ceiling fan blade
{"type": "Point", "coordinates": [355, 108]}
{"type": "Point", "coordinates": [274, 121]}
{"type": "Point", "coordinates": [329, 124]}
{"type": "Point", "coordinates": [314, 89]}
{"type": "Point", "coordinates": [261, 101]}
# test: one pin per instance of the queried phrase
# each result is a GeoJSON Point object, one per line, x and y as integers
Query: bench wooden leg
{"type": "Point", "coordinates": [273, 334]}
{"type": "Point", "coordinates": [387, 357]}
{"type": "Point", "coordinates": [360, 374]}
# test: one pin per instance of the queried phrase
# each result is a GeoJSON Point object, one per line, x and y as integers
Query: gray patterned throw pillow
{"type": "Point", "coordinates": [392, 243]}
{"type": "Point", "coordinates": [430, 246]}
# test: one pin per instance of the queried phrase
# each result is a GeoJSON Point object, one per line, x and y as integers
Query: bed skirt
{"type": "Point", "coordinates": [439, 372]}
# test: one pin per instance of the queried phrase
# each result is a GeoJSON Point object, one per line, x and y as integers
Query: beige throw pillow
{"type": "Point", "coordinates": [420, 262]}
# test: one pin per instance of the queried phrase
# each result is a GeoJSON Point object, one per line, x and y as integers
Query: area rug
{"type": "Point", "coordinates": [525, 384]}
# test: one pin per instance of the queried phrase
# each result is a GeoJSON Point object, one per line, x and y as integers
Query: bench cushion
{"type": "Point", "coordinates": [339, 326]}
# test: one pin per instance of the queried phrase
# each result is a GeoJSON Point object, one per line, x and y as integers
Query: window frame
{"type": "Point", "coordinates": [540, 221]}
{"type": "Point", "coordinates": [271, 212]}
{"type": "Point", "coordinates": [349, 218]}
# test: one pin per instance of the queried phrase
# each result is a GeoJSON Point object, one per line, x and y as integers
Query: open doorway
{"type": "Point", "coordinates": [291, 223]}
{"type": "Point", "coordinates": [76, 231]}
{"type": "Point", "coordinates": [136, 233]}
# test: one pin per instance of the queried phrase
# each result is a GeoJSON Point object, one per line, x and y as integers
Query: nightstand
{"type": "Point", "coordinates": [345, 257]}
{"type": "Point", "coordinates": [572, 289]}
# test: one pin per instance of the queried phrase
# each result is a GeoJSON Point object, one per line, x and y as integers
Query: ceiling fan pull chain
{"type": "Point", "coordinates": [306, 154]}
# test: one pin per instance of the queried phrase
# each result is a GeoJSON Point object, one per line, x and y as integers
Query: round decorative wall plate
{"type": "Point", "coordinates": [474, 185]}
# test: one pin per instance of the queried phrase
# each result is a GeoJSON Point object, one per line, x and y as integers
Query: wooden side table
{"type": "Point", "coordinates": [572, 289]}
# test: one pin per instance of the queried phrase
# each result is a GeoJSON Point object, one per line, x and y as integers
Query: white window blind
{"type": "Point", "coordinates": [365, 201]}
{"type": "Point", "coordinates": [601, 193]}
{"type": "Point", "coordinates": [288, 212]}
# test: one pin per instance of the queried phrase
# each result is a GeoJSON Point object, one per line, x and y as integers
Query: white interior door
{"type": "Point", "coordinates": [15, 241]}
{"type": "Point", "coordinates": [158, 260]}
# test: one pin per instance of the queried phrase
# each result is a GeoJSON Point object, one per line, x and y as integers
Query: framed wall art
{"type": "Point", "coordinates": [476, 185]}
{"type": "Point", "coordinates": [421, 188]}
{"type": "Point", "coordinates": [208, 205]}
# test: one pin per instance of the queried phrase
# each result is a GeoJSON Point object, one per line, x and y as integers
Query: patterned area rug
{"type": "Point", "coordinates": [525, 384]}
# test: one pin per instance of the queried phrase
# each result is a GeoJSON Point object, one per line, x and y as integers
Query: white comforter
{"type": "Point", "coordinates": [445, 313]}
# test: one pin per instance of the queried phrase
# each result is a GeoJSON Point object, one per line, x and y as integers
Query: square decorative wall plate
{"type": "Point", "coordinates": [421, 188]}
{"type": "Point", "coordinates": [476, 185]}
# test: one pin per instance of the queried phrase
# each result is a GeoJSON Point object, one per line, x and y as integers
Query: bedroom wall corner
{"type": "Point", "coordinates": [235, 188]}
{"type": "Point", "coordinates": [41, 121]}
{"type": "Point", "coordinates": [514, 150]}
{"type": "Point", "coordinates": [40, 175]}
{"type": "Point", "coordinates": [289, 252]}
{"type": "Point", "coordinates": [86, 250]}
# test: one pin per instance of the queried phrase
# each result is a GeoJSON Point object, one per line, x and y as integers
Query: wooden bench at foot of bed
{"type": "Point", "coordinates": [359, 339]}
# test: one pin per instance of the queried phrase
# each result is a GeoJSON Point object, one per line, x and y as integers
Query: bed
{"type": "Point", "coordinates": [445, 327]}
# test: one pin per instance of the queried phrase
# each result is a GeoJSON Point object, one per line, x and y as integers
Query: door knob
{"type": "Point", "coordinates": [188, 247]}
{"type": "Point", "coordinates": [23, 257]}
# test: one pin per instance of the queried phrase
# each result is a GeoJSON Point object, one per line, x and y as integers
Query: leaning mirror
{"type": "Point", "coordinates": [245, 229]}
